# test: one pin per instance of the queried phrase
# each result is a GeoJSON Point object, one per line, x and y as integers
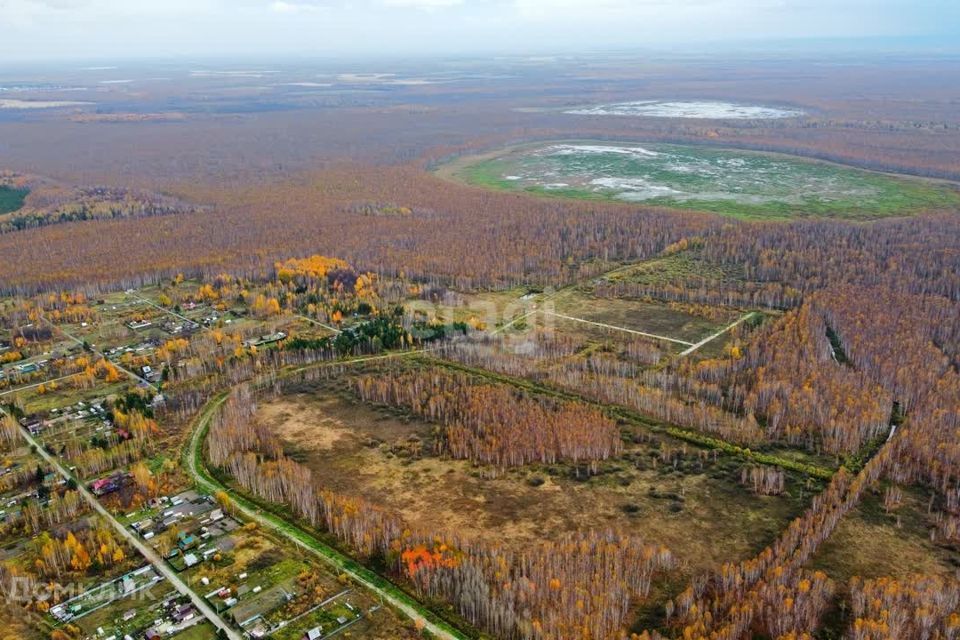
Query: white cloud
{"type": "Point", "coordinates": [31, 29]}
{"type": "Point", "coordinates": [279, 6]}
{"type": "Point", "coordinates": [422, 4]}
{"type": "Point", "coordinates": [657, 10]}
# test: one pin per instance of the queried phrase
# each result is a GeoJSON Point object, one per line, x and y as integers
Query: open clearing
{"type": "Point", "coordinates": [676, 322]}
{"type": "Point", "coordinates": [11, 199]}
{"type": "Point", "coordinates": [696, 509]}
{"type": "Point", "coordinates": [742, 184]}
{"type": "Point", "coordinates": [872, 543]}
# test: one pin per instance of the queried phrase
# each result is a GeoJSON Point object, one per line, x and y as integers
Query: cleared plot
{"type": "Point", "coordinates": [33, 401]}
{"type": "Point", "coordinates": [584, 322]}
{"type": "Point", "coordinates": [685, 500]}
{"type": "Point", "coordinates": [11, 199]}
{"type": "Point", "coordinates": [737, 183]}
{"type": "Point", "coordinates": [682, 268]}
{"type": "Point", "coordinates": [681, 323]}
{"type": "Point", "coordinates": [872, 542]}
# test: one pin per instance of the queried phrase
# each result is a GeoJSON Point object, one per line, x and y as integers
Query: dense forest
{"type": "Point", "coordinates": [324, 227]}
{"type": "Point", "coordinates": [493, 424]}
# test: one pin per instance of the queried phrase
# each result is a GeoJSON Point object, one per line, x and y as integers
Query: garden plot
{"type": "Point", "coordinates": [104, 594]}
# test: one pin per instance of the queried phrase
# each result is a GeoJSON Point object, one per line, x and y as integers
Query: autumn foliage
{"type": "Point", "coordinates": [495, 424]}
{"type": "Point", "coordinates": [581, 585]}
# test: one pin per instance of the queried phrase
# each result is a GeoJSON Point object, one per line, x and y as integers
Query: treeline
{"type": "Point", "coordinates": [789, 375]}
{"type": "Point", "coordinates": [910, 344]}
{"type": "Point", "coordinates": [776, 265]}
{"type": "Point", "coordinates": [915, 255]}
{"type": "Point", "coordinates": [899, 341]}
{"type": "Point", "coordinates": [495, 424]}
{"type": "Point", "coordinates": [606, 378]}
{"type": "Point", "coordinates": [763, 481]}
{"type": "Point", "coordinates": [581, 585]}
{"type": "Point", "coordinates": [61, 554]}
{"type": "Point", "coordinates": [10, 436]}
{"type": "Point", "coordinates": [513, 239]}
{"type": "Point", "coordinates": [61, 508]}
{"type": "Point", "coordinates": [922, 607]}
{"type": "Point", "coordinates": [49, 204]}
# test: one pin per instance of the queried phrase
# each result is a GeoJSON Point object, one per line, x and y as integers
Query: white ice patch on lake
{"type": "Point", "coordinates": [708, 109]}
{"type": "Point", "coordinates": [365, 78]}
{"type": "Point", "coordinates": [306, 84]}
{"type": "Point", "coordinates": [635, 188]}
{"type": "Point", "coordinates": [235, 73]}
{"type": "Point", "coordinates": [40, 104]}
{"type": "Point", "coordinates": [598, 149]}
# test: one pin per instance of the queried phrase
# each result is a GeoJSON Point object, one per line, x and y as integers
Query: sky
{"type": "Point", "coordinates": [46, 30]}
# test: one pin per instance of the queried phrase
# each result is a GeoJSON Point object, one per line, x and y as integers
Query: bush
{"type": "Point", "coordinates": [266, 559]}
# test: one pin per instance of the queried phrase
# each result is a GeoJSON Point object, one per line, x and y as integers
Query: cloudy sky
{"type": "Point", "coordinates": [57, 29]}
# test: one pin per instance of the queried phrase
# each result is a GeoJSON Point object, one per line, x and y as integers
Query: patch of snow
{"type": "Point", "coordinates": [706, 109]}
{"type": "Point", "coordinates": [240, 73]}
{"type": "Point", "coordinates": [40, 104]}
{"type": "Point", "coordinates": [598, 149]}
{"type": "Point", "coordinates": [412, 82]}
{"type": "Point", "coordinates": [635, 188]}
{"type": "Point", "coordinates": [364, 78]}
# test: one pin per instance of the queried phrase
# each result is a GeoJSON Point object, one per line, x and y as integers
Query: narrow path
{"type": "Point", "coordinates": [517, 319]}
{"type": "Point", "coordinates": [151, 556]}
{"type": "Point", "coordinates": [716, 335]}
{"type": "Point", "coordinates": [317, 322]}
{"type": "Point", "coordinates": [194, 465]}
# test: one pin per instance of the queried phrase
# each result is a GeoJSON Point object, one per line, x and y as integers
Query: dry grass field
{"type": "Point", "coordinates": [702, 515]}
